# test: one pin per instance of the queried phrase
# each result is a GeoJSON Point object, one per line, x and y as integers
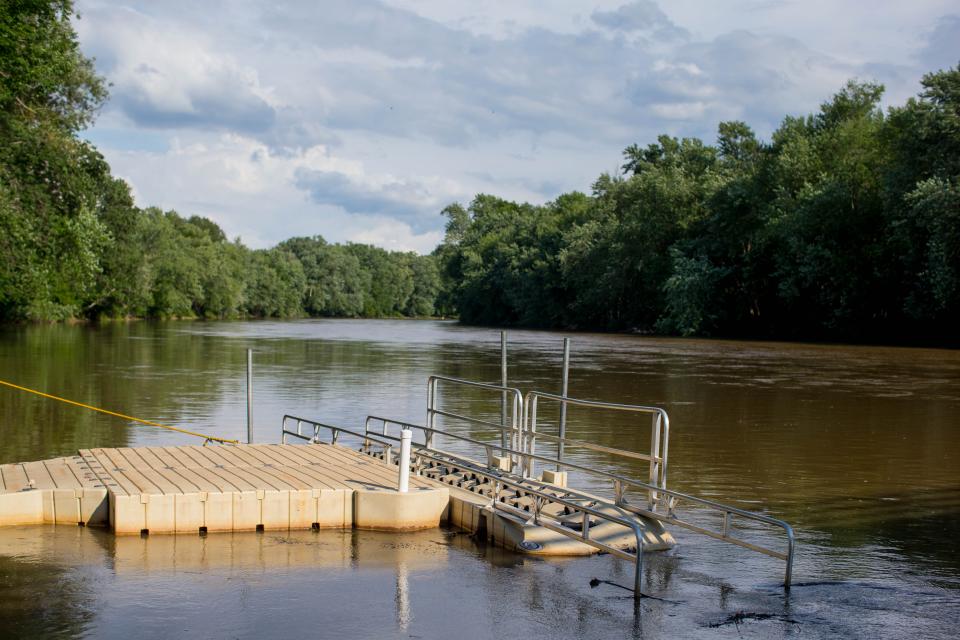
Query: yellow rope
{"type": "Point", "coordinates": [119, 415]}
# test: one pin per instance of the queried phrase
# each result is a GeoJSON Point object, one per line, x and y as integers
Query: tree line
{"type": "Point", "coordinates": [845, 225]}
{"type": "Point", "coordinates": [73, 245]}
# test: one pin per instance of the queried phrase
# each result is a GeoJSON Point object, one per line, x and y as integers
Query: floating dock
{"type": "Point", "coordinates": [200, 489]}
{"type": "Point", "coordinates": [343, 478]}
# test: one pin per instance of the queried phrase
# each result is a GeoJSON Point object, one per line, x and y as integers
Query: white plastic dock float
{"type": "Point", "coordinates": [217, 488]}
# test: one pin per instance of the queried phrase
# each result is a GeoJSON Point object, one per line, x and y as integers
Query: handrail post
{"type": "Point", "coordinates": [516, 435]}
{"type": "Point", "coordinates": [565, 379]}
{"type": "Point", "coordinates": [431, 407]}
{"type": "Point", "coordinates": [249, 396]}
{"type": "Point", "coordinates": [638, 568]}
{"type": "Point", "coordinates": [526, 442]}
{"type": "Point", "coordinates": [654, 478]}
{"type": "Point", "coordinates": [791, 543]}
{"type": "Point", "coordinates": [664, 449]}
{"type": "Point", "coordinates": [532, 429]}
{"type": "Point", "coordinates": [503, 383]}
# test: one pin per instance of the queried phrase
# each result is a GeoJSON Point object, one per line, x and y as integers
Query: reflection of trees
{"type": "Point", "coordinates": [41, 600]}
{"type": "Point", "coordinates": [921, 525]}
{"type": "Point", "coordinates": [141, 369]}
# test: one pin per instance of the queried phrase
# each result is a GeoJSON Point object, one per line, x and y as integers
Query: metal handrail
{"type": "Point", "coordinates": [659, 432]}
{"type": "Point", "coordinates": [583, 536]}
{"type": "Point", "coordinates": [516, 416]}
{"type": "Point", "coordinates": [621, 483]}
{"type": "Point", "coordinates": [335, 434]}
{"type": "Point", "coordinates": [523, 455]}
{"type": "Point", "coordinates": [428, 432]}
{"type": "Point", "coordinates": [625, 453]}
{"type": "Point", "coordinates": [499, 482]}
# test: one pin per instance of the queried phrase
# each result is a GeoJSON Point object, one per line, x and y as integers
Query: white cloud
{"type": "Point", "coordinates": [363, 119]}
{"type": "Point", "coordinates": [166, 74]}
{"type": "Point", "coordinates": [397, 236]}
{"type": "Point", "coordinates": [265, 196]}
{"type": "Point", "coordinates": [679, 110]}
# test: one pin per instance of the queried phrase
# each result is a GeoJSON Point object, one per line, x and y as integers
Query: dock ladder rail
{"type": "Point", "coordinates": [511, 396]}
{"type": "Point", "coordinates": [499, 482]}
{"type": "Point", "coordinates": [661, 503]}
{"type": "Point", "coordinates": [664, 504]}
{"type": "Point", "coordinates": [335, 432]}
{"type": "Point", "coordinates": [659, 435]}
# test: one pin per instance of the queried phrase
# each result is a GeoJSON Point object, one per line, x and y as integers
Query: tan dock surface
{"type": "Point", "coordinates": [201, 489]}
{"type": "Point", "coordinates": [196, 488]}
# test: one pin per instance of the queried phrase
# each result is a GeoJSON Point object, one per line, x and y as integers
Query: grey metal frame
{"type": "Point", "coordinates": [523, 437]}
{"type": "Point", "coordinates": [499, 483]}
{"type": "Point", "coordinates": [315, 437]}
{"type": "Point", "coordinates": [621, 486]}
{"type": "Point", "coordinates": [516, 414]}
{"type": "Point", "coordinates": [249, 396]}
{"type": "Point", "coordinates": [659, 433]}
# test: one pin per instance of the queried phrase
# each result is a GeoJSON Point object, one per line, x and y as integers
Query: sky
{"type": "Point", "coordinates": [360, 120]}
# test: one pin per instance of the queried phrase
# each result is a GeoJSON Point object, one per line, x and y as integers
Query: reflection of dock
{"type": "Point", "coordinates": [329, 548]}
{"type": "Point", "coordinates": [200, 489]}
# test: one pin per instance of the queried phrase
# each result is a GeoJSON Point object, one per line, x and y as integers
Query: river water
{"type": "Point", "coordinates": [857, 447]}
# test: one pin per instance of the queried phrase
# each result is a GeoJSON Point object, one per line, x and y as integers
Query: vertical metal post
{"type": "Point", "coordinates": [565, 380]}
{"type": "Point", "coordinates": [654, 478]}
{"type": "Point", "coordinates": [503, 383]}
{"type": "Point", "coordinates": [789, 573]}
{"type": "Point", "coordinates": [638, 569]}
{"type": "Point", "coordinates": [403, 482]}
{"type": "Point", "coordinates": [431, 416]}
{"type": "Point", "coordinates": [531, 412]}
{"type": "Point", "coordinates": [249, 396]}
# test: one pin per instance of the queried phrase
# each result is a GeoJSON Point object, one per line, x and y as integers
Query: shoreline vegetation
{"type": "Point", "coordinates": [844, 226]}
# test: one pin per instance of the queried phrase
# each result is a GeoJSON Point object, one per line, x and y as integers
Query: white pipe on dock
{"type": "Point", "coordinates": [403, 483]}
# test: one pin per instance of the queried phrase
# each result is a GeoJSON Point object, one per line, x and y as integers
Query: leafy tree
{"type": "Point", "coordinates": [275, 284]}
{"type": "Point", "coordinates": [426, 286]}
{"type": "Point", "coordinates": [48, 91]}
{"type": "Point", "coordinates": [390, 283]}
{"type": "Point", "coordinates": [842, 226]}
{"type": "Point", "coordinates": [45, 80]}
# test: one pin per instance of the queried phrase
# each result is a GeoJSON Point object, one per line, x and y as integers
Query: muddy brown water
{"type": "Point", "coordinates": [857, 447]}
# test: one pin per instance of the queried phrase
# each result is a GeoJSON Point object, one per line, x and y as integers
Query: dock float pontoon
{"type": "Point", "coordinates": [504, 491]}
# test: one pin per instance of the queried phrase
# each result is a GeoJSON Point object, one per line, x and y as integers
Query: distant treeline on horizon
{"type": "Point", "coordinates": [845, 225]}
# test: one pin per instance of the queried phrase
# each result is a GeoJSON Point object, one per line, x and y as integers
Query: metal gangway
{"type": "Point", "coordinates": [506, 472]}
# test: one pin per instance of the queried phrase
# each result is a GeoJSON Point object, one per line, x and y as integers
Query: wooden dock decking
{"type": "Point", "coordinates": [197, 488]}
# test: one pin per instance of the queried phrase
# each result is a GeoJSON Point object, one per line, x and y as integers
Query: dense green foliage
{"type": "Point", "coordinates": [846, 225]}
{"type": "Point", "coordinates": [73, 245]}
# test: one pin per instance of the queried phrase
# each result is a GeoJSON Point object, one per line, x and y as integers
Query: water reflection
{"type": "Point", "coordinates": [857, 447]}
{"type": "Point", "coordinates": [403, 597]}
